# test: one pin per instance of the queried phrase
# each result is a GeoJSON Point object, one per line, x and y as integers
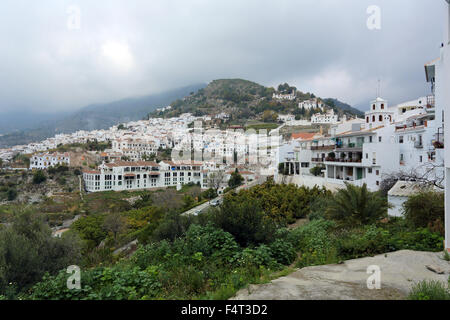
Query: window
{"type": "Point", "coordinates": [367, 119]}
{"type": "Point", "coordinates": [400, 139]}
{"type": "Point", "coordinates": [378, 183]}
{"type": "Point", "coordinates": [420, 159]}
{"type": "Point", "coordinates": [379, 139]}
{"type": "Point", "coordinates": [370, 139]}
{"type": "Point", "coordinates": [373, 107]}
{"type": "Point", "coordinates": [369, 170]}
{"type": "Point", "coordinates": [380, 118]}
{"type": "Point", "coordinates": [378, 172]}
{"type": "Point", "coordinates": [373, 118]}
{"type": "Point", "coordinates": [382, 106]}
{"type": "Point", "coordinates": [367, 156]}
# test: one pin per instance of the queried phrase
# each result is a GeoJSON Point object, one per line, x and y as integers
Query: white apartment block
{"type": "Point", "coordinates": [438, 73]}
{"type": "Point", "coordinates": [135, 149]}
{"type": "Point", "coordinates": [311, 104]}
{"type": "Point", "coordinates": [46, 160]}
{"type": "Point", "coordinates": [359, 151]}
{"type": "Point", "coordinates": [138, 175]}
{"type": "Point", "coordinates": [326, 118]}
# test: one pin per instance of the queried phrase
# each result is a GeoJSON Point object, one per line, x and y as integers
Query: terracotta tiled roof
{"type": "Point", "coordinates": [303, 135]}
{"type": "Point", "coordinates": [91, 171]}
{"type": "Point", "coordinates": [132, 164]}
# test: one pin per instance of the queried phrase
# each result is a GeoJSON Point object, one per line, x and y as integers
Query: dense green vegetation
{"type": "Point", "coordinates": [247, 239]}
{"type": "Point", "coordinates": [244, 100]}
{"type": "Point", "coordinates": [430, 290]}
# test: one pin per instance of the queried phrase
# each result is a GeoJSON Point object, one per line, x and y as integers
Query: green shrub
{"type": "Point", "coordinates": [259, 256]}
{"type": "Point", "coordinates": [367, 241]}
{"type": "Point", "coordinates": [211, 242]}
{"type": "Point", "coordinates": [39, 177]}
{"type": "Point", "coordinates": [426, 210]}
{"type": "Point", "coordinates": [316, 243]}
{"type": "Point", "coordinates": [245, 220]}
{"type": "Point", "coordinates": [419, 240]}
{"type": "Point", "coordinates": [429, 290]}
{"type": "Point", "coordinates": [283, 252]}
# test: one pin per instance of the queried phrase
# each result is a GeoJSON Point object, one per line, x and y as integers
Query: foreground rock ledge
{"type": "Point", "coordinates": [348, 281]}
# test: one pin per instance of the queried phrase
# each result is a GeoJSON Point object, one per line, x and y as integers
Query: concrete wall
{"type": "Point", "coordinates": [397, 203]}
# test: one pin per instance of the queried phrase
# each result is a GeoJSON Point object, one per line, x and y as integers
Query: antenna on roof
{"type": "Point", "coordinates": [379, 89]}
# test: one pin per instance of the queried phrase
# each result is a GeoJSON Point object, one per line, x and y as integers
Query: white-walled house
{"type": "Point", "coordinates": [325, 118]}
{"type": "Point", "coordinates": [439, 75]}
{"type": "Point", "coordinates": [399, 194]}
{"type": "Point", "coordinates": [137, 175]}
{"type": "Point", "coordinates": [311, 104]}
{"type": "Point", "coordinates": [46, 160]}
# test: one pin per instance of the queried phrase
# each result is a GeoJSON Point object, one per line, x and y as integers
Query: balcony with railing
{"type": "Point", "coordinates": [351, 147]}
{"type": "Point", "coordinates": [323, 147]}
{"type": "Point", "coordinates": [345, 157]}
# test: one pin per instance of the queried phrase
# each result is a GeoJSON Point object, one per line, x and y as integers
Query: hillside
{"type": "Point", "coordinates": [341, 106]}
{"type": "Point", "coordinates": [96, 116]}
{"type": "Point", "coordinates": [243, 100]}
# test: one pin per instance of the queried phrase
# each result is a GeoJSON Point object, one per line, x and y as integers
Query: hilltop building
{"type": "Point", "coordinates": [311, 104]}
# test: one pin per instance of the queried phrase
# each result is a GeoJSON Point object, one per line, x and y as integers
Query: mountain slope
{"type": "Point", "coordinates": [343, 107]}
{"type": "Point", "coordinates": [243, 99]}
{"type": "Point", "coordinates": [97, 116]}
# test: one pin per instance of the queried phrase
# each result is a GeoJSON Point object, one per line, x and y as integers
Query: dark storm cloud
{"type": "Point", "coordinates": [128, 48]}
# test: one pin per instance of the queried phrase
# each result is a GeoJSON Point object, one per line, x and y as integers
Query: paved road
{"type": "Point", "coordinates": [204, 206]}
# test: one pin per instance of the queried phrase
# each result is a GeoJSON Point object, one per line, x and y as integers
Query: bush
{"type": "Point", "coordinates": [316, 171]}
{"type": "Point", "coordinates": [211, 242]}
{"type": "Point", "coordinates": [426, 210]}
{"type": "Point", "coordinates": [283, 252]}
{"type": "Point", "coordinates": [39, 177]}
{"type": "Point", "coordinates": [246, 221]}
{"type": "Point", "coordinates": [259, 256]}
{"type": "Point", "coordinates": [11, 194]}
{"type": "Point", "coordinates": [419, 240]}
{"type": "Point", "coordinates": [358, 243]}
{"type": "Point", "coordinates": [115, 283]}
{"type": "Point", "coordinates": [28, 251]}
{"type": "Point", "coordinates": [429, 290]}
{"type": "Point", "coordinates": [315, 242]}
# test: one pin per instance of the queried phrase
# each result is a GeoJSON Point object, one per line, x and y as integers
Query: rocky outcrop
{"type": "Point", "coordinates": [399, 271]}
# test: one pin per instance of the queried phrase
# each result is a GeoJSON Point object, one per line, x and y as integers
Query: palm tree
{"type": "Point", "coordinates": [357, 206]}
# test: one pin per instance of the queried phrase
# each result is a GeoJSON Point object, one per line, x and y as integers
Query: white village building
{"type": "Point", "coordinates": [122, 175]}
{"type": "Point", "coordinates": [47, 160]}
{"type": "Point", "coordinates": [325, 118]}
{"type": "Point", "coordinates": [311, 104]}
{"type": "Point", "coordinates": [438, 73]}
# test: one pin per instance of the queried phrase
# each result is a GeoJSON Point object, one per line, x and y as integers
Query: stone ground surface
{"type": "Point", "coordinates": [348, 281]}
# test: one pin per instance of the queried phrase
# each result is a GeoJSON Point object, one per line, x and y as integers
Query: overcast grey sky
{"type": "Point", "coordinates": [128, 48]}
